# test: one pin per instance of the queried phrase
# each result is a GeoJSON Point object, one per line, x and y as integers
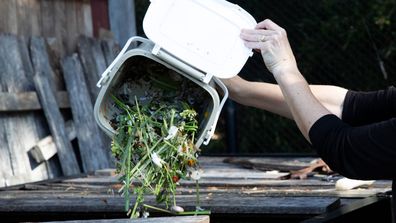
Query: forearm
{"type": "Point", "coordinates": [259, 95]}
{"type": "Point", "coordinates": [269, 97]}
{"type": "Point", "coordinates": [304, 106]}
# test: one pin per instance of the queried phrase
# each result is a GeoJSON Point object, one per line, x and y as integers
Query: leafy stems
{"type": "Point", "coordinates": [154, 148]}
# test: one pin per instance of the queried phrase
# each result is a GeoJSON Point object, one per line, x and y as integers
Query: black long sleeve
{"type": "Point", "coordinates": [363, 144]}
{"type": "Point", "coordinates": [364, 152]}
{"type": "Point", "coordinates": [361, 108]}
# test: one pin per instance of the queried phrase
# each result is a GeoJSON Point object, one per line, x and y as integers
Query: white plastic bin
{"type": "Point", "coordinates": [198, 39]}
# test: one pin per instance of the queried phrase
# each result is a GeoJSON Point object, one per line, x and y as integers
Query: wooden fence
{"type": "Point", "coordinates": [49, 66]}
{"type": "Point", "coordinates": [60, 19]}
{"type": "Point", "coordinates": [47, 128]}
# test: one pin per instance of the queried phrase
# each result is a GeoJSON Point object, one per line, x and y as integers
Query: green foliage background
{"type": "Point", "coordinates": [349, 43]}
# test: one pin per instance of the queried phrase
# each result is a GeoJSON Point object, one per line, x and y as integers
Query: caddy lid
{"type": "Point", "coordinates": [202, 33]}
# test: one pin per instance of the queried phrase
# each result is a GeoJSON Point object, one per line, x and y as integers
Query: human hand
{"type": "Point", "coordinates": [273, 44]}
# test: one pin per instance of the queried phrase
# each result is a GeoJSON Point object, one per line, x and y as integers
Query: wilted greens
{"type": "Point", "coordinates": [157, 125]}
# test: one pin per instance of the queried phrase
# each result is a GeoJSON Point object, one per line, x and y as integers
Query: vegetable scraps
{"type": "Point", "coordinates": [154, 145]}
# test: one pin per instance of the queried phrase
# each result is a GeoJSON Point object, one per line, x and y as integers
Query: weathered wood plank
{"type": "Point", "coordinates": [218, 182]}
{"type": "Point", "coordinates": [71, 26]}
{"type": "Point", "coordinates": [46, 148]}
{"type": "Point", "coordinates": [181, 219]}
{"type": "Point", "coordinates": [5, 161]}
{"type": "Point", "coordinates": [41, 60]}
{"type": "Point", "coordinates": [54, 55]}
{"type": "Point", "coordinates": [122, 20]}
{"type": "Point", "coordinates": [86, 23]}
{"type": "Point", "coordinates": [47, 18]}
{"type": "Point", "coordinates": [93, 152]}
{"type": "Point", "coordinates": [19, 129]}
{"type": "Point", "coordinates": [28, 101]}
{"type": "Point", "coordinates": [110, 50]}
{"type": "Point", "coordinates": [28, 19]}
{"type": "Point", "coordinates": [216, 203]}
{"type": "Point", "coordinates": [93, 62]}
{"type": "Point", "coordinates": [91, 191]}
{"type": "Point", "coordinates": [37, 174]}
{"type": "Point", "coordinates": [5, 156]}
{"type": "Point", "coordinates": [8, 17]}
{"type": "Point", "coordinates": [60, 24]}
{"type": "Point", "coordinates": [56, 124]}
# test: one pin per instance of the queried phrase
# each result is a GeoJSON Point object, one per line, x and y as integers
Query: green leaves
{"type": "Point", "coordinates": [154, 149]}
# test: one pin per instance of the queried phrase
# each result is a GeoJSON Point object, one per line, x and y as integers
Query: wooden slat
{"type": "Point", "coordinates": [219, 182]}
{"type": "Point", "coordinates": [60, 25]}
{"type": "Point", "coordinates": [41, 60]}
{"type": "Point", "coordinates": [94, 154]}
{"type": "Point", "coordinates": [41, 63]}
{"type": "Point", "coordinates": [37, 174]}
{"type": "Point", "coordinates": [182, 219]}
{"type": "Point", "coordinates": [69, 190]}
{"type": "Point", "coordinates": [8, 17]}
{"type": "Point", "coordinates": [28, 101]}
{"type": "Point", "coordinates": [86, 23]}
{"type": "Point", "coordinates": [122, 20]}
{"type": "Point", "coordinates": [47, 18]}
{"type": "Point", "coordinates": [282, 198]}
{"type": "Point", "coordinates": [217, 203]}
{"type": "Point", "coordinates": [64, 20]}
{"type": "Point", "coordinates": [110, 50]}
{"type": "Point", "coordinates": [93, 63]}
{"type": "Point", "coordinates": [46, 148]}
{"type": "Point", "coordinates": [28, 17]}
{"type": "Point", "coordinates": [56, 124]}
{"type": "Point", "coordinates": [5, 156]}
{"type": "Point", "coordinates": [20, 130]}
{"type": "Point", "coordinates": [71, 26]}
{"type": "Point", "coordinates": [5, 161]}
{"type": "Point", "coordinates": [97, 53]}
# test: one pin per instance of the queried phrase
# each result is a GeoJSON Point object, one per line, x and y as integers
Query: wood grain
{"type": "Point", "coordinates": [57, 125]}
{"type": "Point", "coordinates": [94, 154]}
{"type": "Point", "coordinates": [110, 50]}
{"type": "Point", "coordinates": [93, 61]}
{"type": "Point", "coordinates": [19, 129]}
{"type": "Point", "coordinates": [46, 147]}
{"type": "Point", "coordinates": [28, 101]}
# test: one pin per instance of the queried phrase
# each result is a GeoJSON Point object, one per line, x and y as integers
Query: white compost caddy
{"type": "Point", "coordinates": [199, 39]}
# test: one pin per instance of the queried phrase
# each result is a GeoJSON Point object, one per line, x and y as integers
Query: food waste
{"type": "Point", "coordinates": [157, 119]}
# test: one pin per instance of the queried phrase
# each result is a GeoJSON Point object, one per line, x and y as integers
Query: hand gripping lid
{"type": "Point", "coordinates": [202, 33]}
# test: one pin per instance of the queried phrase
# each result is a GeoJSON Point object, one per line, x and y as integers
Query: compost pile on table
{"type": "Point", "coordinates": [157, 125]}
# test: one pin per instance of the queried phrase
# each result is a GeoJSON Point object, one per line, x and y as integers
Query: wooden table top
{"type": "Point", "coordinates": [225, 188]}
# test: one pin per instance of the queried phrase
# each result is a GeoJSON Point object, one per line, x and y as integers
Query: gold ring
{"type": "Point", "coordinates": [262, 38]}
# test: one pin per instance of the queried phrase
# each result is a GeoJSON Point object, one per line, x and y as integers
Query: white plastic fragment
{"type": "Point", "coordinates": [196, 174]}
{"type": "Point", "coordinates": [348, 184]}
{"type": "Point", "coordinates": [171, 132]}
{"type": "Point", "coordinates": [156, 160]}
